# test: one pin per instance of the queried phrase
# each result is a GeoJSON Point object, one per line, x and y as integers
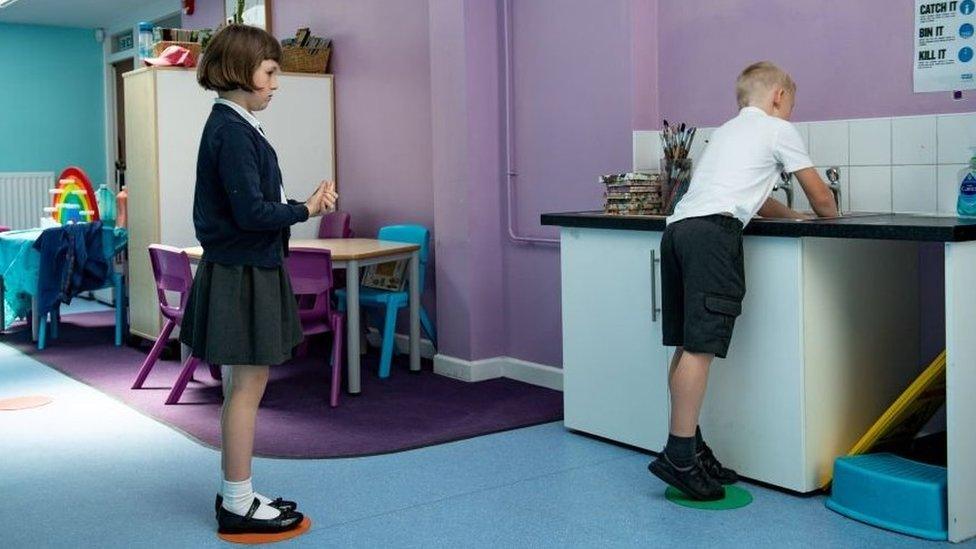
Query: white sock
{"type": "Point", "coordinates": [220, 490]}
{"type": "Point", "coordinates": [238, 497]}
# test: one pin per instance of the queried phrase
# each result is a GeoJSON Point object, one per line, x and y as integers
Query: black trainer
{"type": "Point", "coordinates": [693, 481]}
{"type": "Point", "coordinates": [714, 468]}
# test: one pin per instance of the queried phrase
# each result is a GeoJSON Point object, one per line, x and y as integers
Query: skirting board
{"type": "Point", "coordinates": [502, 366]}
{"type": "Point", "coordinates": [479, 370]}
{"type": "Point", "coordinates": [402, 343]}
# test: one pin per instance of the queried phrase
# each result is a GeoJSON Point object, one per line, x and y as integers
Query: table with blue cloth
{"type": "Point", "coordinates": [20, 266]}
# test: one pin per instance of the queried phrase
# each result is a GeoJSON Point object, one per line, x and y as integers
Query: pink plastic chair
{"type": "Point", "coordinates": [310, 271]}
{"type": "Point", "coordinates": [335, 225]}
{"type": "Point", "coordinates": [171, 269]}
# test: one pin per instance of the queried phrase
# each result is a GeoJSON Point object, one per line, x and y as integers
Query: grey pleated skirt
{"type": "Point", "coordinates": [239, 314]}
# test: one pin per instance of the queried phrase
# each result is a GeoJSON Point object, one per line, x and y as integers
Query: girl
{"type": "Point", "coordinates": [241, 312]}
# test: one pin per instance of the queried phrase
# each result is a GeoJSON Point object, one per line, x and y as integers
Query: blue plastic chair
{"type": "Point", "coordinates": [394, 301]}
{"type": "Point", "coordinates": [112, 245]}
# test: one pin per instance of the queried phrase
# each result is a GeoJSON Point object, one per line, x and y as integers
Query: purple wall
{"type": "Point", "coordinates": [420, 137]}
{"type": "Point", "coordinates": [207, 15]}
{"type": "Point", "coordinates": [644, 45]}
{"type": "Point", "coordinates": [383, 103]}
{"type": "Point", "coordinates": [420, 118]}
{"type": "Point", "coordinates": [383, 132]}
{"type": "Point", "coordinates": [849, 59]}
{"type": "Point", "coordinates": [484, 56]}
{"type": "Point", "coordinates": [467, 170]}
{"type": "Point", "coordinates": [450, 175]}
{"type": "Point", "coordinates": [574, 110]}
{"type": "Point", "coordinates": [382, 67]}
{"type": "Point", "coordinates": [874, 40]}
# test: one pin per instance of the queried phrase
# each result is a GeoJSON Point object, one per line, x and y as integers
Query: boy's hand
{"type": "Point", "coordinates": [821, 199]}
{"type": "Point", "coordinates": [775, 209]}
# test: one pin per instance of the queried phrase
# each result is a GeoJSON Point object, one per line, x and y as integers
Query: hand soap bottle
{"type": "Point", "coordinates": [966, 204]}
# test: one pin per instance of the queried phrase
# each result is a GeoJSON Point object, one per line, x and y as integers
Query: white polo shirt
{"type": "Point", "coordinates": [741, 165]}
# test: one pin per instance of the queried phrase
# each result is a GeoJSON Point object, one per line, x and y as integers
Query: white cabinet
{"type": "Point", "coordinates": [827, 339]}
{"type": "Point", "coordinates": [165, 111]}
{"type": "Point", "coordinates": [753, 411]}
{"type": "Point", "coordinates": [614, 364]}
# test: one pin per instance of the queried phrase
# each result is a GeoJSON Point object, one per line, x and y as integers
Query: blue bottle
{"type": "Point", "coordinates": [966, 204]}
{"type": "Point", "coordinates": [105, 199]}
{"type": "Point", "coordinates": [145, 43]}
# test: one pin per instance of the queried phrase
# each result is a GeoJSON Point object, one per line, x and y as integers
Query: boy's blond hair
{"type": "Point", "coordinates": [759, 79]}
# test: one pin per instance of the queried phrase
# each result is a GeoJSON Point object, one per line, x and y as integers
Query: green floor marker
{"type": "Point", "coordinates": [735, 497]}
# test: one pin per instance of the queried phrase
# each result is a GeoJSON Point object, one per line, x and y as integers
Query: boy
{"type": "Point", "coordinates": [702, 274]}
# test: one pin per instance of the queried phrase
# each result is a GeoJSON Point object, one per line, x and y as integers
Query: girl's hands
{"type": "Point", "coordinates": [323, 199]}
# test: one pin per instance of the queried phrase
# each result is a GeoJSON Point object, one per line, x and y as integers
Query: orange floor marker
{"type": "Point", "coordinates": [255, 539]}
{"type": "Point", "coordinates": [22, 403]}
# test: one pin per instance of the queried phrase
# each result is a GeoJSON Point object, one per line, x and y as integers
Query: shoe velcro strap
{"type": "Point", "coordinates": [254, 508]}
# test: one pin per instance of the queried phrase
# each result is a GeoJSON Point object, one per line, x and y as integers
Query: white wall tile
{"type": "Point", "coordinates": [845, 184]}
{"type": "Point", "coordinates": [871, 142]}
{"type": "Point", "coordinates": [781, 195]}
{"type": "Point", "coordinates": [829, 143]}
{"type": "Point", "coordinates": [804, 129]}
{"type": "Point", "coordinates": [870, 188]}
{"type": "Point", "coordinates": [647, 150]}
{"type": "Point", "coordinates": [957, 133]}
{"type": "Point", "coordinates": [885, 163]}
{"type": "Point", "coordinates": [914, 189]}
{"type": "Point", "coordinates": [802, 204]}
{"type": "Point", "coordinates": [913, 140]}
{"type": "Point", "coordinates": [800, 201]}
{"type": "Point", "coordinates": [948, 187]}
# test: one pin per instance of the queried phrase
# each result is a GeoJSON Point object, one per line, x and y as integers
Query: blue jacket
{"type": "Point", "coordinates": [72, 261]}
{"type": "Point", "coordinates": [237, 210]}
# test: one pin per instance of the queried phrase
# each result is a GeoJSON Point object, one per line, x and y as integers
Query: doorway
{"type": "Point", "coordinates": [120, 68]}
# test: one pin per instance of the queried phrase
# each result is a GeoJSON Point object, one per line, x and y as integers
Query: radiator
{"type": "Point", "coordinates": [23, 197]}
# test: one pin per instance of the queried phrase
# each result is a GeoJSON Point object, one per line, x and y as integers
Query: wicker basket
{"type": "Point", "coordinates": [298, 59]}
{"type": "Point", "coordinates": [194, 47]}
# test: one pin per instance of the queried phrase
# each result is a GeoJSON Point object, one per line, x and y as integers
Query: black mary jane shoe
{"type": "Point", "coordinates": [230, 523]}
{"type": "Point", "coordinates": [279, 504]}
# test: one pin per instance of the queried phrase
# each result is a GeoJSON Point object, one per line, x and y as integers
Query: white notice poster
{"type": "Point", "coordinates": [944, 45]}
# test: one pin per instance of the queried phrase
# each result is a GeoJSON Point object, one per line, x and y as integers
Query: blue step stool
{"type": "Point", "coordinates": [891, 492]}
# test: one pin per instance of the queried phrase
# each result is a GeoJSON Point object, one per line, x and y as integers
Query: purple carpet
{"type": "Point", "coordinates": [401, 412]}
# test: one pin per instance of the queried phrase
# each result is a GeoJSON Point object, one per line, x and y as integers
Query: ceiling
{"type": "Point", "coordinates": [76, 13]}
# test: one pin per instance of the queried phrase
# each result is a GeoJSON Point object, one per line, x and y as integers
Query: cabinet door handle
{"type": "Point", "coordinates": [654, 308]}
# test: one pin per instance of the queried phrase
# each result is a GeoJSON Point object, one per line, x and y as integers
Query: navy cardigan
{"type": "Point", "coordinates": [237, 210]}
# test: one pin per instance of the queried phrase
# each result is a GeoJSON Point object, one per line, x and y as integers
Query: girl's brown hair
{"type": "Point", "coordinates": [232, 56]}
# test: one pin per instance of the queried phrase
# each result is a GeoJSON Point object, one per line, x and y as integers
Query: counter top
{"type": "Point", "coordinates": [860, 225]}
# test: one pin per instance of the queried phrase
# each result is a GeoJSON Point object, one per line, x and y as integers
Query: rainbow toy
{"type": "Point", "coordinates": [74, 187]}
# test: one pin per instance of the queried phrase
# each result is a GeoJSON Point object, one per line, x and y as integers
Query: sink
{"type": "Point", "coordinates": [847, 215]}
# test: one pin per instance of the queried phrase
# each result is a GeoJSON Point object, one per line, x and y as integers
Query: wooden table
{"type": "Point", "coordinates": [351, 254]}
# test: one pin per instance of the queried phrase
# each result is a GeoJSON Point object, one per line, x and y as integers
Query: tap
{"type": "Point", "coordinates": [833, 176]}
{"type": "Point", "coordinates": [786, 186]}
